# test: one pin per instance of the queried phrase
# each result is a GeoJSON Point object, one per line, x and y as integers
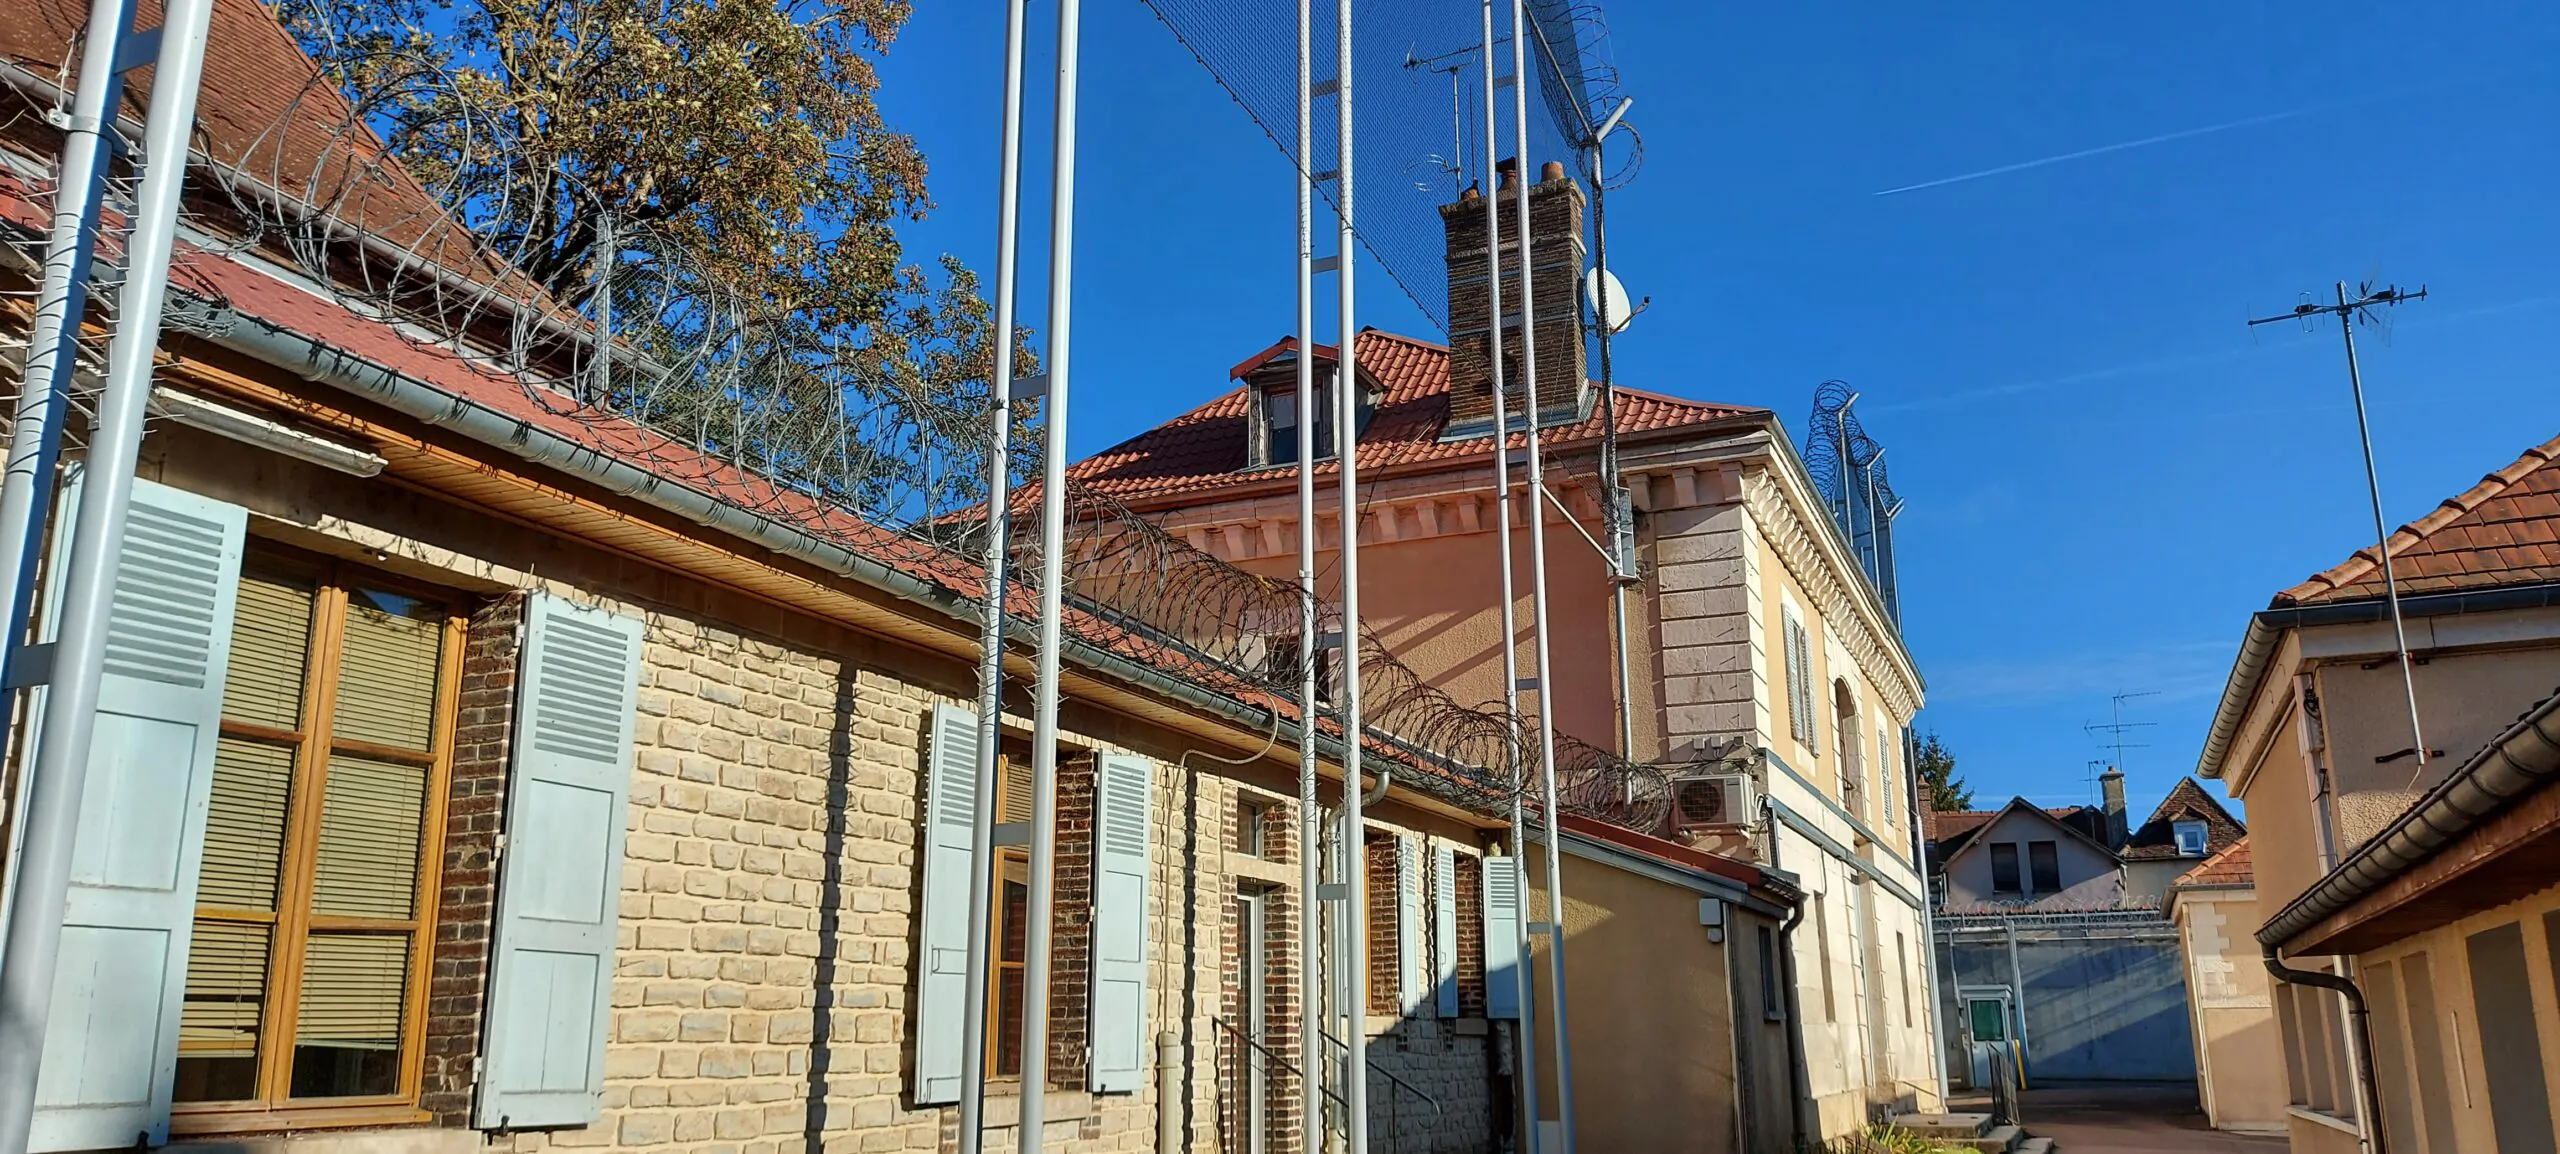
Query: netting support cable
{"type": "Point", "coordinates": [1311, 1126]}
{"type": "Point", "coordinates": [35, 435]}
{"type": "Point", "coordinates": [56, 780]}
{"type": "Point", "coordinates": [1346, 440]}
{"type": "Point", "coordinates": [1520, 64]}
{"type": "Point", "coordinates": [1053, 551]}
{"type": "Point", "coordinates": [1526, 1044]}
{"type": "Point", "coordinates": [973, 1040]}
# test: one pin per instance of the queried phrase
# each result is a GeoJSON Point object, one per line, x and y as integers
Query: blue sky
{"type": "Point", "coordinates": [2105, 471]}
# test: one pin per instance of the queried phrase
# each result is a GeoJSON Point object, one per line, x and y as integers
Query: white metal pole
{"type": "Point", "coordinates": [1311, 1052]}
{"type": "Point", "coordinates": [973, 1044]}
{"type": "Point", "coordinates": [88, 580]}
{"type": "Point", "coordinates": [35, 436]}
{"type": "Point", "coordinates": [1520, 64]}
{"type": "Point", "coordinates": [1053, 548]}
{"type": "Point", "coordinates": [1528, 1035]}
{"type": "Point", "coordinates": [2382, 535]}
{"type": "Point", "coordinates": [1346, 443]}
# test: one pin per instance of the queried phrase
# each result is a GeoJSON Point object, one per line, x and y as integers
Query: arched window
{"type": "Point", "coordinates": [1844, 731]}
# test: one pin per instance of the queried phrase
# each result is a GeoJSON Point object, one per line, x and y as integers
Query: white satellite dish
{"type": "Point", "coordinates": [1608, 299]}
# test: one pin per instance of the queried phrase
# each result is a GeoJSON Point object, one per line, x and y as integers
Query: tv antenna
{"type": "Point", "coordinates": [2349, 311]}
{"type": "Point", "coordinates": [2115, 729]}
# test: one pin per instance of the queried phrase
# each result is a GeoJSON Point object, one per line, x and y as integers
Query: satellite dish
{"type": "Point", "coordinates": [1608, 300]}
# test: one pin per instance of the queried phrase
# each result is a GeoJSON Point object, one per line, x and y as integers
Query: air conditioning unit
{"type": "Point", "coordinates": [1716, 799]}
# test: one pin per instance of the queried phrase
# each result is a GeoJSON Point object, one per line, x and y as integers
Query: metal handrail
{"type": "Point", "coordinates": [1268, 1053]}
{"type": "Point", "coordinates": [1389, 1075]}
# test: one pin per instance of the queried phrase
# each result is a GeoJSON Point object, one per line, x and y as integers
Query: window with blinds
{"type": "Point", "coordinates": [305, 982]}
{"type": "Point", "coordinates": [1012, 914]}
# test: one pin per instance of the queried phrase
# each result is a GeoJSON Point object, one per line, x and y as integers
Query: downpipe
{"type": "Point", "coordinates": [1796, 1076]}
{"type": "Point", "coordinates": [1168, 1092]}
{"type": "Point", "coordinates": [2368, 1096]}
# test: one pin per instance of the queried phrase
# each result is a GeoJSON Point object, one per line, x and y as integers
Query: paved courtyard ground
{"type": "Point", "coordinates": [2131, 1118]}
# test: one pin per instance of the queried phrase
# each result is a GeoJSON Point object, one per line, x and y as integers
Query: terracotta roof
{"type": "Point", "coordinates": [1671, 852]}
{"type": "Point", "coordinates": [2229, 868]}
{"type": "Point", "coordinates": [2157, 840]}
{"type": "Point", "coordinates": [2503, 531]}
{"type": "Point", "coordinates": [267, 113]}
{"type": "Point", "coordinates": [1205, 449]}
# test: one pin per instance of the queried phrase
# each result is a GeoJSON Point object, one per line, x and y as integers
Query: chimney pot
{"type": "Point", "coordinates": [1553, 170]}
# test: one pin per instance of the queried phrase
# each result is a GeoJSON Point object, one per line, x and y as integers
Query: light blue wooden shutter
{"type": "Point", "coordinates": [942, 990]}
{"type": "Point", "coordinates": [1412, 966]}
{"type": "Point", "coordinates": [111, 1042]}
{"type": "Point", "coordinates": [1501, 938]}
{"type": "Point", "coordinates": [1444, 928]}
{"type": "Point", "coordinates": [1124, 800]}
{"type": "Point", "coordinates": [560, 874]}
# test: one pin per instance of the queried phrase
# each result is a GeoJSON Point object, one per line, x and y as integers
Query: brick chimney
{"type": "Point", "coordinates": [2111, 786]}
{"type": "Point", "coordinates": [1555, 230]}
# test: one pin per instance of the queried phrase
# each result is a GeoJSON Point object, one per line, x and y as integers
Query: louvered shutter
{"type": "Point", "coordinates": [111, 1042]}
{"type": "Point", "coordinates": [1124, 799]}
{"type": "Point", "coordinates": [942, 988]}
{"type": "Point", "coordinates": [560, 875]}
{"type": "Point", "coordinates": [1444, 929]}
{"type": "Point", "coordinates": [1501, 938]}
{"type": "Point", "coordinates": [1412, 965]}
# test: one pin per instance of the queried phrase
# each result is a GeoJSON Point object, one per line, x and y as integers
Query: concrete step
{"type": "Point", "coordinates": [1997, 1140]}
{"type": "Point", "coordinates": [2037, 1146]}
{"type": "Point", "coordinates": [1944, 1126]}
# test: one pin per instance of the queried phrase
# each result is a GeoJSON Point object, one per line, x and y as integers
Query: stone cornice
{"type": "Point", "coordinates": [1848, 606]}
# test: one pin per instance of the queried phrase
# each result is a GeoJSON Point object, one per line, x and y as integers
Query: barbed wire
{"type": "Point", "coordinates": [886, 444]}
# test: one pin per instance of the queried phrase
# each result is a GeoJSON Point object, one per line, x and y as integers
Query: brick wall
{"type": "Point", "coordinates": [1386, 964]}
{"type": "Point", "coordinates": [475, 812]}
{"type": "Point", "coordinates": [1555, 227]}
{"type": "Point", "coordinates": [1470, 936]}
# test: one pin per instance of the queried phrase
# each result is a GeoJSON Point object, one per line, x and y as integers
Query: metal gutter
{"type": "Point", "coordinates": [2267, 628]}
{"type": "Point", "coordinates": [2522, 759]}
{"type": "Point", "coordinates": [318, 361]}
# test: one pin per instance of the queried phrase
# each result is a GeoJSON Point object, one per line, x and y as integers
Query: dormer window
{"type": "Point", "coordinates": [1276, 414]}
{"type": "Point", "coordinates": [2191, 838]}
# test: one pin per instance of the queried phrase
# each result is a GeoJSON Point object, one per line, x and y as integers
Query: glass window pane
{"type": "Point", "coordinates": [387, 676]}
{"type": "Point", "coordinates": [1016, 917]}
{"type": "Point", "coordinates": [1009, 1022]}
{"type": "Point", "coordinates": [218, 1022]}
{"type": "Point", "coordinates": [244, 839]}
{"type": "Point", "coordinates": [369, 829]}
{"type": "Point", "coordinates": [347, 1032]}
{"type": "Point", "coordinates": [270, 646]}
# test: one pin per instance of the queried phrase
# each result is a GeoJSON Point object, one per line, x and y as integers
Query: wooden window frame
{"type": "Point", "coordinates": [298, 870]}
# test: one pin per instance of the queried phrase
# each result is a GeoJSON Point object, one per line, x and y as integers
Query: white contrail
{"type": "Point", "coordinates": [2098, 151]}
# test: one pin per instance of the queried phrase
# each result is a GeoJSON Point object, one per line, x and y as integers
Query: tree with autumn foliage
{"type": "Point", "coordinates": [725, 160]}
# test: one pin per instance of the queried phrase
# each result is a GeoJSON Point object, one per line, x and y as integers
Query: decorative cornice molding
{"type": "Point", "coordinates": [1786, 525]}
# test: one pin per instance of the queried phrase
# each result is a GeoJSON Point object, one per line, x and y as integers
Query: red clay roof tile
{"type": "Point", "coordinates": [2231, 867]}
{"type": "Point", "coordinates": [2498, 532]}
{"type": "Point", "coordinates": [1204, 450]}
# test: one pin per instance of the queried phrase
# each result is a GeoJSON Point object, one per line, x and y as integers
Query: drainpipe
{"type": "Point", "coordinates": [2368, 1096]}
{"type": "Point", "coordinates": [1796, 1077]}
{"type": "Point", "coordinates": [1168, 1092]}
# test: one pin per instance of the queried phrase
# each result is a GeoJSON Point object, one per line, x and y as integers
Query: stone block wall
{"type": "Point", "coordinates": [1703, 579]}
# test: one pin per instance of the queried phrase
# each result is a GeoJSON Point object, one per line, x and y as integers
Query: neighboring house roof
{"type": "Point", "coordinates": [2503, 531]}
{"type": "Point", "coordinates": [1949, 832]}
{"type": "Point", "coordinates": [1206, 448]}
{"type": "Point", "coordinates": [1949, 850]}
{"type": "Point", "coordinates": [2229, 869]}
{"type": "Point", "coordinates": [2157, 840]}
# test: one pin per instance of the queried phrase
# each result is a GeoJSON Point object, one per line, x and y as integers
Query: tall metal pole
{"type": "Point", "coordinates": [1520, 62]}
{"type": "Point", "coordinates": [1613, 488]}
{"type": "Point", "coordinates": [973, 1045]}
{"type": "Point", "coordinates": [1311, 1052]}
{"type": "Point", "coordinates": [2381, 530]}
{"type": "Point", "coordinates": [1528, 1037]}
{"type": "Point", "coordinates": [2345, 310]}
{"type": "Point", "coordinates": [1053, 548]}
{"type": "Point", "coordinates": [1346, 445]}
{"type": "Point", "coordinates": [88, 580]}
{"type": "Point", "coordinates": [35, 436]}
